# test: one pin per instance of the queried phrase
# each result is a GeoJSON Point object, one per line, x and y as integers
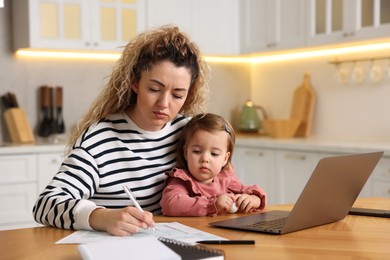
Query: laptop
{"type": "Point", "coordinates": [327, 197]}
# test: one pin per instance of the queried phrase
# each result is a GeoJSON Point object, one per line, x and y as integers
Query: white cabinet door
{"type": "Point", "coordinates": [271, 24]}
{"type": "Point", "coordinates": [17, 202]}
{"type": "Point", "coordinates": [213, 25]}
{"type": "Point", "coordinates": [48, 166]}
{"type": "Point", "coordinates": [293, 170]}
{"type": "Point", "coordinates": [18, 168]}
{"type": "Point", "coordinates": [18, 189]}
{"type": "Point", "coordinates": [173, 12]}
{"type": "Point", "coordinates": [48, 24]}
{"type": "Point", "coordinates": [114, 23]}
{"type": "Point", "coordinates": [380, 179]}
{"type": "Point", "coordinates": [338, 21]}
{"type": "Point", "coordinates": [75, 24]}
{"type": "Point", "coordinates": [256, 166]}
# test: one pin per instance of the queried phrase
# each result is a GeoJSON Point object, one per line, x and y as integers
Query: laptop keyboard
{"type": "Point", "coordinates": [270, 224]}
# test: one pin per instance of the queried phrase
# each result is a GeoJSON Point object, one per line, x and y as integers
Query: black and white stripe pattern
{"type": "Point", "coordinates": [111, 153]}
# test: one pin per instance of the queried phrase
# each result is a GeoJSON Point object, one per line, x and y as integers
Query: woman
{"type": "Point", "coordinates": [128, 138]}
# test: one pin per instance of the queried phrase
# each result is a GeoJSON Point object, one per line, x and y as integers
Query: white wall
{"type": "Point", "coordinates": [349, 111]}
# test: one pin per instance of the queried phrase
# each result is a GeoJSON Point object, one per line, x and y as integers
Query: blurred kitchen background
{"type": "Point", "coordinates": [232, 27]}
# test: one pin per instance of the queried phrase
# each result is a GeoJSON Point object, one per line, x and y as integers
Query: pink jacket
{"type": "Point", "coordinates": [184, 196]}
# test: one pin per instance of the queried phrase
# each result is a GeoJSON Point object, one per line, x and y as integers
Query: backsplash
{"type": "Point", "coordinates": [347, 109]}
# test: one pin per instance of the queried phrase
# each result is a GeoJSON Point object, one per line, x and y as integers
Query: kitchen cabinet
{"type": "Point", "coordinates": [76, 25]}
{"type": "Point", "coordinates": [256, 166]}
{"type": "Point", "coordinates": [18, 189]}
{"type": "Point", "coordinates": [334, 21]}
{"type": "Point", "coordinates": [25, 171]}
{"type": "Point", "coordinates": [48, 165]}
{"type": "Point", "coordinates": [268, 25]}
{"type": "Point", "coordinates": [380, 185]}
{"type": "Point", "coordinates": [293, 170]}
{"type": "Point", "coordinates": [213, 25]}
{"type": "Point", "coordinates": [283, 166]}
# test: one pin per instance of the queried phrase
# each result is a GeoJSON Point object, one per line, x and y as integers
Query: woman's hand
{"type": "Point", "coordinates": [224, 202]}
{"type": "Point", "coordinates": [120, 222]}
{"type": "Point", "coordinates": [246, 202]}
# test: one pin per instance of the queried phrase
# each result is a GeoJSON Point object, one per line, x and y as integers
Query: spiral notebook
{"type": "Point", "coordinates": [147, 248]}
{"type": "Point", "coordinates": [192, 252]}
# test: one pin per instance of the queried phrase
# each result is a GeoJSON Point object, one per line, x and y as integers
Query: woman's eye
{"type": "Point", "coordinates": [154, 89]}
{"type": "Point", "coordinates": [177, 96]}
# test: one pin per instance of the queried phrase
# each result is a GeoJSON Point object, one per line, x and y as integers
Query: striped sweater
{"type": "Point", "coordinates": [111, 153]}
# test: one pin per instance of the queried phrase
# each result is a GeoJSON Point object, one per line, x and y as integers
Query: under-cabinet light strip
{"type": "Point", "coordinates": [219, 59]}
{"type": "Point", "coordinates": [67, 55]}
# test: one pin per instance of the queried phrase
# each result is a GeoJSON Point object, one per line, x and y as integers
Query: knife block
{"type": "Point", "coordinates": [18, 126]}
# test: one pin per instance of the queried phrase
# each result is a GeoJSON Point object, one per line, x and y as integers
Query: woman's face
{"type": "Point", "coordinates": [161, 93]}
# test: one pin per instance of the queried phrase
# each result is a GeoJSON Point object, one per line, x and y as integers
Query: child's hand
{"type": "Point", "coordinates": [224, 202]}
{"type": "Point", "coordinates": [246, 202]}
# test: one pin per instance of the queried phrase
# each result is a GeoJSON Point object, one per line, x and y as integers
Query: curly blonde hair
{"type": "Point", "coordinates": [166, 43]}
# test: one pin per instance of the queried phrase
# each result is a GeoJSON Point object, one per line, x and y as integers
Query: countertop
{"type": "Point", "coordinates": [40, 146]}
{"type": "Point", "coordinates": [312, 144]}
{"type": "Point", "coordinates": [316, 144]}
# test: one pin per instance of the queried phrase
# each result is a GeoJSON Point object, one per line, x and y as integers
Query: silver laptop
{"type": "Point", "coordinates": [327, 197]}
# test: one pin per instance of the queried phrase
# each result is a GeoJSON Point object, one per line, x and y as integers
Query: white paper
{"type": "Point", "coordinates": [173, 230]}
{"type": "Point", "coordinates": [145, 248]}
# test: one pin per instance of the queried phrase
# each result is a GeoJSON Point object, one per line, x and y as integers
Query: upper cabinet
{"type": "Point", "coordinates": [213, 25]}
{"type": "Point", "coordinates": [271, 25]}
{"type": "Point", "coordinates": [335, 21]}
{"type": "Point", "coordinates": [219, 27]}
{"type": "Point", "coordinates": [76, 24]}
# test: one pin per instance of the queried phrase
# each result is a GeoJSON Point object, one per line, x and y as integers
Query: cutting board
{"type": "Point", "coordinates": [303, 106]}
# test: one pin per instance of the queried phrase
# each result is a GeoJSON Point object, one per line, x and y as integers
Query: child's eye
{"type": "Point", "coordinates": [196, 151]}
{"type": "Point", "coordinates": [215, 154]}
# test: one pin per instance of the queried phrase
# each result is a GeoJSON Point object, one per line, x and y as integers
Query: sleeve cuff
{"type": "Point", "coordinates": [83, 210]}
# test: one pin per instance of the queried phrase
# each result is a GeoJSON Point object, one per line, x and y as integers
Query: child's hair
{"type": "Point", "coordinates": [207, 122]}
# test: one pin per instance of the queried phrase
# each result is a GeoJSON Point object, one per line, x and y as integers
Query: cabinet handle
{"type": "Point", "coordinates": [254, 153]}
{"type": "Point", "coordinates": [95, 44]}
{"type": "Point", "coordinates": [270, 45]}
{"type": "Point", "coordinates": [348, 34]}
{"type": "Point", "coordinates": [87, 44]}
{"type": "Point", "coordinates": [295, 156]}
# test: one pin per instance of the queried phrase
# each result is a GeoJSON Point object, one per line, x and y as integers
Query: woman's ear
{"type": "Point", "coordinates": [134, 87]}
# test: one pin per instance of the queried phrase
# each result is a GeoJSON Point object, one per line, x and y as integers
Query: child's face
{"type": "Point", "coordinates": [206, 153]}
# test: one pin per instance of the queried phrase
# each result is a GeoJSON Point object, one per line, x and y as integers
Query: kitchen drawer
{"type": "Point", "coordinates": [48, 166]}
{"type": "Point", "coordinates": [381, 188]}
{"type": "Point", "coordinates": [382, 170]}
{"type": "Point", "coordinates": [18, 168]}
{"type": "Point", "coordinates": [16, 203]}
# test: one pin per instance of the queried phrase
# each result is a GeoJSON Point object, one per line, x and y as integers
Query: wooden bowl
{"type": "Point", "coordinates": [281, 128]}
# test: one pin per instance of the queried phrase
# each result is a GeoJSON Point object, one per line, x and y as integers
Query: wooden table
{"type": "Point", "coordinates": [353, 237]}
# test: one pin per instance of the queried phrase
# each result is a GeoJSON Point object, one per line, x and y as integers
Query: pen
{"type": "Point", "coordinates": [227, 242]}
{"type": "Point", "coordinates": [131, 197]}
